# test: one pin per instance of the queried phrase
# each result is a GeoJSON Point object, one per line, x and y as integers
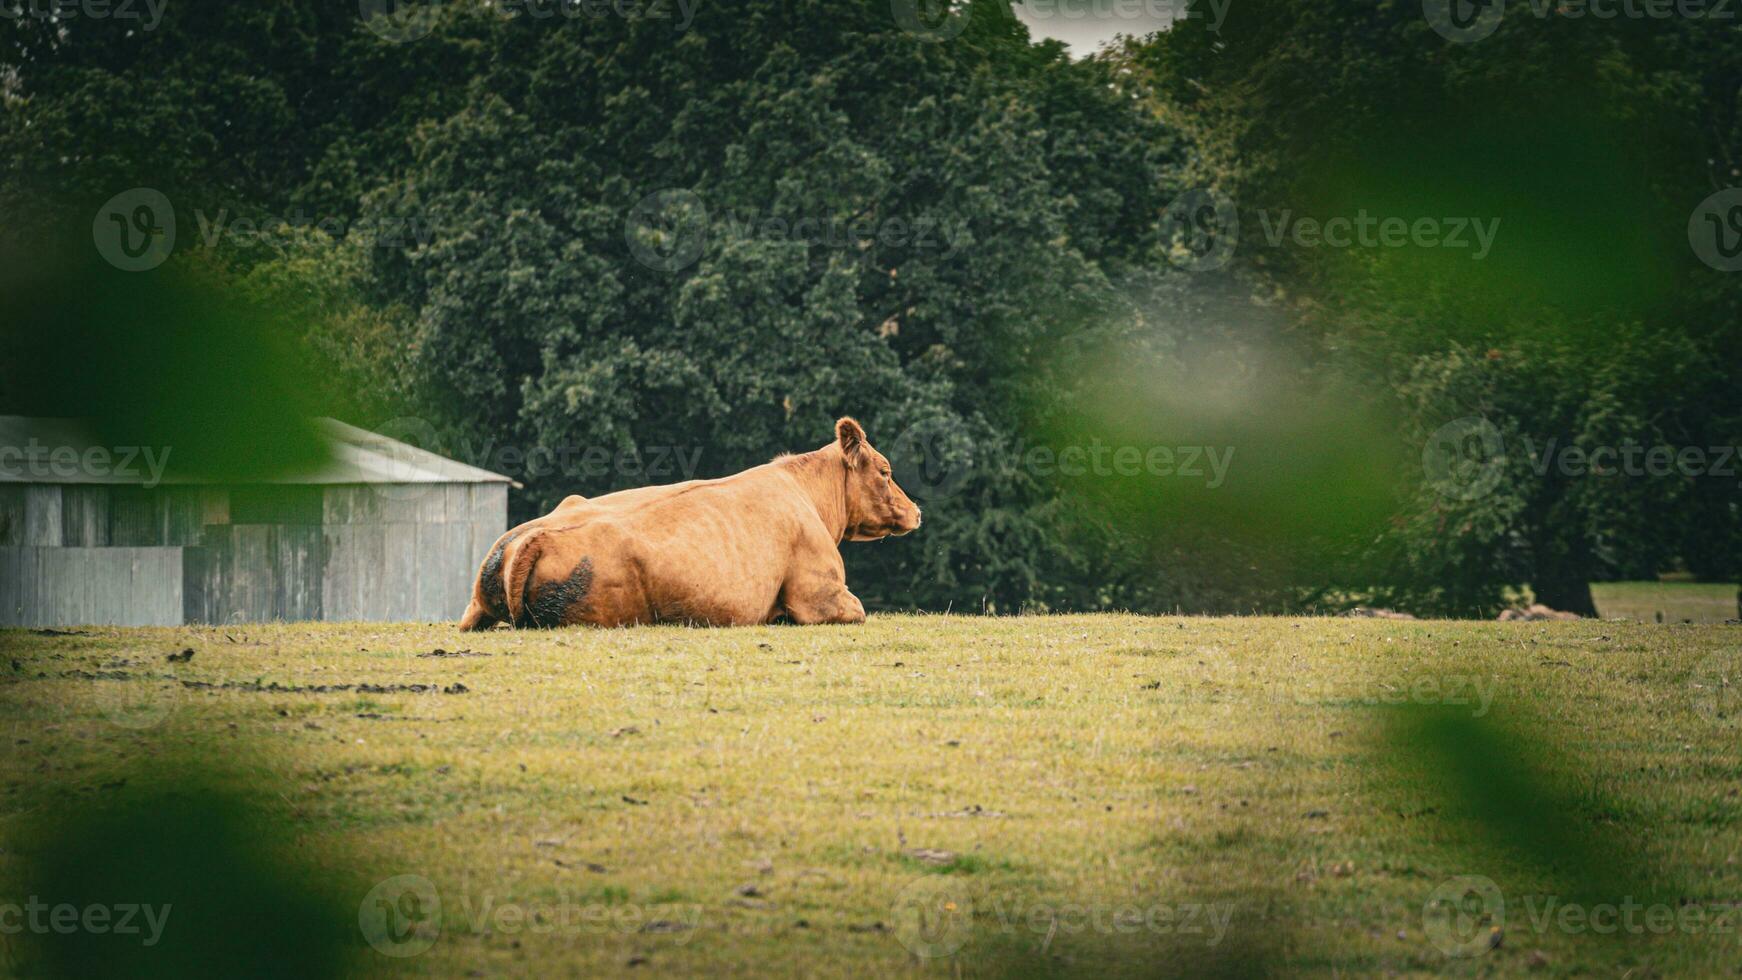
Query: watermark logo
{"type": "Point", "coordinates": [136, 706]}
{"type": "Point", "coordinates": [933, 916]}
{"type": "Point", "coordinates": [134, 231]}
{"type": "Point", "coordinates": [401, 916]}
{"type": "Point", "coordinates": [1202, 227]}
{"type": "Point", "coordinates": [932, 458]}
{"type": "Point", "coordinates": [933, 20]}
{"type": "Point", "coordinates": [1463, 916]}
{"type": "Point", "coordinates": [1716, 686]}
{"type": "Point", "coordinates": [1463, 21]}
{"type": "Point", "coordinates": [398, 21]}
{"type": "Point", "coordinates": [1715, 230]}
{"type": "Point", "coordinates": [406, 448]}
{"type": "Point", "coordinates": [1465, 458]}
{"type": "Point", "coordinates": [667, 230]}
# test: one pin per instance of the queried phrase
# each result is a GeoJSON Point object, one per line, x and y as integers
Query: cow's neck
{"type": "Point", "coordinates": [823, 475]}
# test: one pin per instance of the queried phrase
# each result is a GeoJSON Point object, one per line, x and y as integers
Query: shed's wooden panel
{"type": "Point", "coordinates": [397, 583]}
{"type": "Point", "coordinates": [369, 553]}
{"type": "Point", "coordinates": [251, 592]}
{"type": "Point", "coordinates": [430, 557]}
{"type": "Point", "coordinates": [490, 507]}
{"type": "Point", "coordinates": [459, 570]}
{"type": "Point", "coordinates": [85, 516]}
{"type": "Point", "coordinates": [86, 586]}
{"type": "Point", "coordinates": [214, 505]}
{"type": "Point", "coordinates": [456, 503]}
{"type": "Point", "coordinates": [11, 515]}
{"type": "Point", "coordinates": [338, 572]}
{"type": "Point", "coordinates": [184, 514]}
{"type": "Point", "coordinates": [11, 586]}
{"type": "Point", "coordinates": [297, 572]}
{"type": "Point", "coordinates": [42, 515]}
{"type": "Point", "coordinates": [199, 582]}
{"type": "Point", "coordinates": [135, 519]}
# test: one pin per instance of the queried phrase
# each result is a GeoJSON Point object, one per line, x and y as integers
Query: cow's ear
{"type": "Point", "coordinates": [850, 435]}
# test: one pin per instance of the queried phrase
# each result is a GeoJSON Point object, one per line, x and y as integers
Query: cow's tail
{"type": "Point", "coordinates": [517, 576]}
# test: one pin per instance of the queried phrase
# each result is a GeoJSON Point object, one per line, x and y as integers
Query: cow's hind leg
{"type": "Point", "coordinates": [477, 617]}
{"type": "Point", "coordinates": [833, 604]}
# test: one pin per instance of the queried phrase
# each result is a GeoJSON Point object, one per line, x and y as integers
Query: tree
{"type": "Point", "coordinates": [631, 237]}
{"type": "Point", "coordinates": [1590, 324]}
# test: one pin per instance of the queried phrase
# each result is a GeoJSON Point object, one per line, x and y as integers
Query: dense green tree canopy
{"type": "Point", "coordinates": [594, 251]}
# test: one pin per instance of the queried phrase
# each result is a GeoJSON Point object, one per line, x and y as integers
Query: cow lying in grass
{"type": "Point", "coordinates": [743, 549]}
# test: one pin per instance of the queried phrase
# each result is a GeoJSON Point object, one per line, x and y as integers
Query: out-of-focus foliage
{"type": "Point", "coordinates": [1509, 796]}
{"type": "Point", "coordinates": [1589, 324]}
{"type": "Point", "coordinates": [169, 361]}
{"type": "Point", "coordinates": [192, 876]}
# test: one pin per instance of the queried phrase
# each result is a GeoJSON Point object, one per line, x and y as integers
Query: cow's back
{"type": "Point", "coordinates": [712, 551]}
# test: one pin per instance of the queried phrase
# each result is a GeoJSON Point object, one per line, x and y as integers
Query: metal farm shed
{"type": "Point", "coordinates": [385, 531]}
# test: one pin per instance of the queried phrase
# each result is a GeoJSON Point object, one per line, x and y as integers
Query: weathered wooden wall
{"type": "Point", "coordinates": [399, 552]}
{"type": "Point", "coordinates": [243, 554]}
{"type": "Point", "coordinates": [71, 586]}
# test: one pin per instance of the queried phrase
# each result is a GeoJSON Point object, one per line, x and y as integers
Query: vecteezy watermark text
{"type": "Point", "coordinates": [1475, 691]}
{"type": "Point", "coordinates": [600, 9]}
{"type": "Point", "coordinates": [1468, 21]}
{"type": "Point", "coordinates": [1467, 458]}
{"type": "Point", "coordinates": [934, 917]}
{"type": "Point", "coordinates": [585, 461]}
{"type": "Point", "coordinates": [149, 13]}
{"type": "Point", "coordinates": [1208, 920]}
{"type": "Point", "coordinates": [668, 230]}
{"type": "Point", "coordinates": [1631, 458]}
{"type": "Point", "coordinates": [65, 919]}
{"type": "Point", "coordinates": [1146, 12]}
{"type": "Point", "coordinates": [1465, 916]}
{"type": "Point", "coordinates": [386, 231]}
{"type": "Point", "coordinates": [402, 916]}
{"type": "Point", "coordinates": [571, 917]}
{"type": "Point", "coordinates": [1366, 230]}
{"type": "Point", "coordinates": [1202, 229]}
{"type": "Point", "coordinates": [41, 461]}
{"type": "Point", "coordinates": [1102, 459]}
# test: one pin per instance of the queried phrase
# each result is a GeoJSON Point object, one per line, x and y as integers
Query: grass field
{"type": "Point", "coordinates": [1070, 796]}
{"type": "Point", "coordinates": [1666, 602]}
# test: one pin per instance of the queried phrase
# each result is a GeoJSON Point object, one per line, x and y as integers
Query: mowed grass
{"type": "Point", "coordinates": [1667, 602]}
{"type": "Point", "coordinates": [934, 795]}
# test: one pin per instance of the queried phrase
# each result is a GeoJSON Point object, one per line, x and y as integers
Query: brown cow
{"type": "Point", "coordinates": [743, 549]}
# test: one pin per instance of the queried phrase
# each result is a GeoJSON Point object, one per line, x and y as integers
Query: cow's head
{"type": "Point", "coordinates": [876, 507]}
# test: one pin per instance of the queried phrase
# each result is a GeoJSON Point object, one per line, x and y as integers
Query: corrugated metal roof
{"type": "Point", "coordinates": [34, 450]}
